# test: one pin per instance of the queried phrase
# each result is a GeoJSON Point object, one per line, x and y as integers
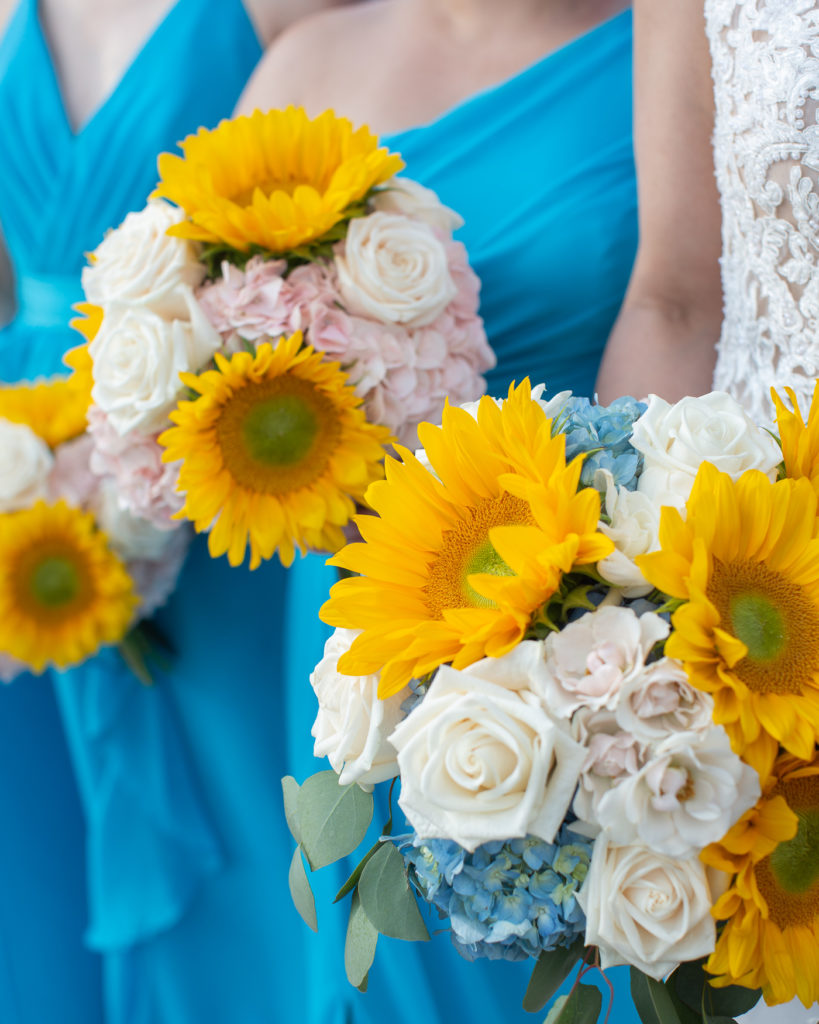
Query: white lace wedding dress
{"type": "Point", "coordinates": [765, 57]}
{"type": "Point", "coordinates": [766, 147]}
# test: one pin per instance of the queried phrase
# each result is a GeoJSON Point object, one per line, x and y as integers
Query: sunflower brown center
{"type": "Point", "coordinates": [789, 878]}
{"type": "Point", "coordinates": [466, 550]}
{"type": "Point", "coordinates": [278, 435]}
{"type": "Point", "coordinates": [775, 619]}
{"type": "Point", "coordinates": [50, 581]}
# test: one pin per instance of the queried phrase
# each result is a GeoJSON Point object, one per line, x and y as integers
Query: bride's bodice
{"type": "Point", "coordinates": [766, 148]}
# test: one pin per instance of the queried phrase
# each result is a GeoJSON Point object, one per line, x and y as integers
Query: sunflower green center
{"type": "Point", "coordinates": [466, 550]}
{"type": "Point", "coordinates": [278, 435]}
{"type": "Point", "coordinates": [55, 582]}
{"type": "Point", "coordinates": [774, 617]}
{"type": "Point", "coordinates": [789, 878]}
{"type": "Point", "coordinates": [280, 431]}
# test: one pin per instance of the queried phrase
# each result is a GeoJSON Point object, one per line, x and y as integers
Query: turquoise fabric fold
{"type": "Point", "coordinates": [151, 840]}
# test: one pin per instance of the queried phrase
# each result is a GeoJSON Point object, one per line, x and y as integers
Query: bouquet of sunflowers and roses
{"type": "Point", "coordinates": [583, 642]}
{"type": "Point", "coordinates": [282, 309]}
{"type": "Point", "coordinates": [77, 571]}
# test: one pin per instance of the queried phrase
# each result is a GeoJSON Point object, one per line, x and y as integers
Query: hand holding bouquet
{"type": "Point", "coordinates": [261, 343]}
{"type": "Point", "coordinates": [585, 641]}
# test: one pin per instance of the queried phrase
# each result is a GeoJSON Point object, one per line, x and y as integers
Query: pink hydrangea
{"type": "Point", "coordinates": [146, 485]}
{"type": "Point", "coordinates": [71, 477]}
{"type": "Point", "coordinates": [251, 304]}
{"type": "Point", "coordinates": [155, 580]}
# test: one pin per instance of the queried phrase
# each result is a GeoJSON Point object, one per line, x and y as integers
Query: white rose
{"type": "Point", "coordinates": [25, 462]}
{"type": "Point", "coordinates": [405, 196]}
{"type": "Point", "coordinates": [662, 701]}
{"type": "Point", "coordinates": [352, 725]}
{"type": "Point", "coordinates": [691, 791]}
{"type": "Point", "coordinates": [395, 270]}
{"type": "Point", "coordinates": [482, 761]}
{"type": "Point", "coordinates": [138, 357]}
{"type": "Point", "coordinates": [612, 755]}
{"type": "Point", "coordinates": [132, 537]}
{"type": "Point", "coordinates": [589, 660]}
{"type": "Point", "coordinates": [634, 528]}
{"type": "Point", "coordinates": [644, 909]}
{"type": "Point", "coordinates": [676, 439]}
{"type": "Point", "coordinates": [140, 264]}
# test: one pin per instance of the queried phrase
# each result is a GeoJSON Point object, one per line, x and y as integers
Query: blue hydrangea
{"type": "Point", "coordinates": [505, 901]}
{"type": "Point", "coordinates": [605, 432]}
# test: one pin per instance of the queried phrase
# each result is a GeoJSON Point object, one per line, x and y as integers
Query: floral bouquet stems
{"type": "Point", "coordinates": [583, 642]}
{"type": "Point", "coordinates": [258, 345]}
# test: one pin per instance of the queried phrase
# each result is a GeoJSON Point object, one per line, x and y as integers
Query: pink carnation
{"type": "Point", "coordinates": [146, 485]}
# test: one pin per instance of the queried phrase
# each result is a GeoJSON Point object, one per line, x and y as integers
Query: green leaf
{"type": "Point", "coordinates": [652, 1000]}
{"type": "Point", "coordinates": [332, 819]}
{"type": "Point", "coordinates": [691, 982]}
{"type": "Point", "coordinates": [684, 1012]}
{"type": "Point", "coordinates": [290, 792]}
{"type": "Point", "coordinates": [301, 892]}
{"type": "Point", "coordinates": [352, 881]}
{"type": "Point", "coordinates": [718, 1020]}
{"type": "Point", "coordinates": [359, 949]}
{"type": "Point", "coordinates": [387, 898]}
{"type": "Point", "coordinates": [581, 1006]}
{"type": "Point", "coordinates": [549, 973]}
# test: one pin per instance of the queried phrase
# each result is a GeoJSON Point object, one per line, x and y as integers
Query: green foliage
{"type": "Point", "coordinates": [690, 982]}
{"type": "Point", "coordinates": [387, 899]}
{"type": "Point", "coordinates": [652, 1000]}
{"type": "Point", "coordinates": [581, 1006]}
{"type": "Point", "coordinates": [331, 819]}
{"type": "Point", "coordinates": [300, 891]}
{"type": "Point", "coordinates": [290, 792]}
{"type": "Point", "coordinates": [359, 948]}
{"type": "Point", "coordinates": [354, 878]}
{"type": "Point", "coordinates": [550, 971]}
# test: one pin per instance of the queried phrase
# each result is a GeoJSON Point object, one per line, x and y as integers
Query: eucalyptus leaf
{"type": "Point", "coordinates": [684, 1012]}
{"type": "Point", "coordinates": [690, 981]}
{"type": "Point", "coordinates": [332, 819]}
{"type": "Point", "coordinates": [581, 1006]}
{"type": "Point", "coordinates": [708, 1019]}
{"type": "Point", "coordinates": [300, 891]}
{"type": "Point", "coordinates": [290, 792]}
{"type": "Point", "coordinates": [387, 899]}
{"type": "Point", "coordinates": [549, 973]}
{"type": "Point", "coordinates": [359, 948]}
{"type": "Point", "coordinates": [352, 881]}
{"type": "Point", "coordinates": [652, 1000]}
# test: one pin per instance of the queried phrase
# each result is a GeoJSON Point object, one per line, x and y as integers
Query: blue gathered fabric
{"type": "Point", "coordinates": [151, 840]}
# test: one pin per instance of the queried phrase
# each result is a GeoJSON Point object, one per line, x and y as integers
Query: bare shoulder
{"type": "Point", "coordinates": [313, 47]}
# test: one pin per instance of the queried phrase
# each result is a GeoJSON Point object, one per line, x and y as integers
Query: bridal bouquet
{"type": "Point", "coordinates": [76, 570]}
{"type": "Point", "coordinates": [585, 642]}
{"type": "Point", "coordinates": [257, 345]}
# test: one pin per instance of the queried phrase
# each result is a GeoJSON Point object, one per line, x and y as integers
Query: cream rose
{"type": "Point", "coordinates": [138, 357]}
{"type": "Point", "coordinates": [690, 792]}
{"type": "Point", "coordinates": [482, 761]}
{"type": "Point", "coordinates": [25, 463]}
{"type": "Point", "coordinates": [662, 701]}
{"type": "Point", "coordinates": [352, 725]}
{"type": "Point", "coordinates": [140, 264]}
{"type": "Point", "coordinates": [634, 523]}
{"type": "Point", "coordinates": [589, 661]}
{"type": "Point", "coordinates": [395, 270]}
{"type": "Point", "coordinates": [646, 909]}
{"type": "Point", "coordinates": [676, 439]}
{"type": "Point", "coordinates": [132, 537]}
{"type": "Point", "coordinates": [408, 197]}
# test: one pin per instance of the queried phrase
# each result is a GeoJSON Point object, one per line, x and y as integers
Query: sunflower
{"type": "Point", "coordinates": [771, 939]}
{"type": "Point", "coordinates": [63, 593]}
{"type": "Point", "coordinates": [746, 562]}
{"type": "Point", "coordinates": [276, 451]}
{"type": "Point", "coordinates": [55, 409]}
{"type": "Point", "coordinates": [439, 562]}
{"type": "Point", "coordinates": [276, 180]}
{"type": "Point", "coordinates": [800, 440]}
{"type": "Point", "coordinates": [87, 323]}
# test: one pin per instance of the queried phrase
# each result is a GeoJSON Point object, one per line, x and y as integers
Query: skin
{"type": "Point", "coordinates": [420, 57]}
{"type": "Point", "coordinates": [92, 42]}
{"type": "Point", "coordinates": [664, 341]}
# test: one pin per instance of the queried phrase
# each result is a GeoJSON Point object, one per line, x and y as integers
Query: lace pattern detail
{"type": "Point", "coordinates": [766, 148]}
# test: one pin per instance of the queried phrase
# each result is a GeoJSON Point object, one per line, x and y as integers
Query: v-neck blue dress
{"type": "Point", "coordinates": [60, 190]}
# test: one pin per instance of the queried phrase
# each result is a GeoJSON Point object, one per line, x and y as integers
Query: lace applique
{"type": "Point", "coordinates": [766, 149]}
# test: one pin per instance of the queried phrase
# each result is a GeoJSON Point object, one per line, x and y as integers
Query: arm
{"type": "Point", "coordinates": [6, 285]}
{"type": "Point", "coordinates": [665, 338]}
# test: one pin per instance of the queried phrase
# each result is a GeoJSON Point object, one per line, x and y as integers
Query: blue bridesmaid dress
{"type": "Point", "coordinates": [541, 169]}
{"type": "Point", "coordinates": [60, 190]}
